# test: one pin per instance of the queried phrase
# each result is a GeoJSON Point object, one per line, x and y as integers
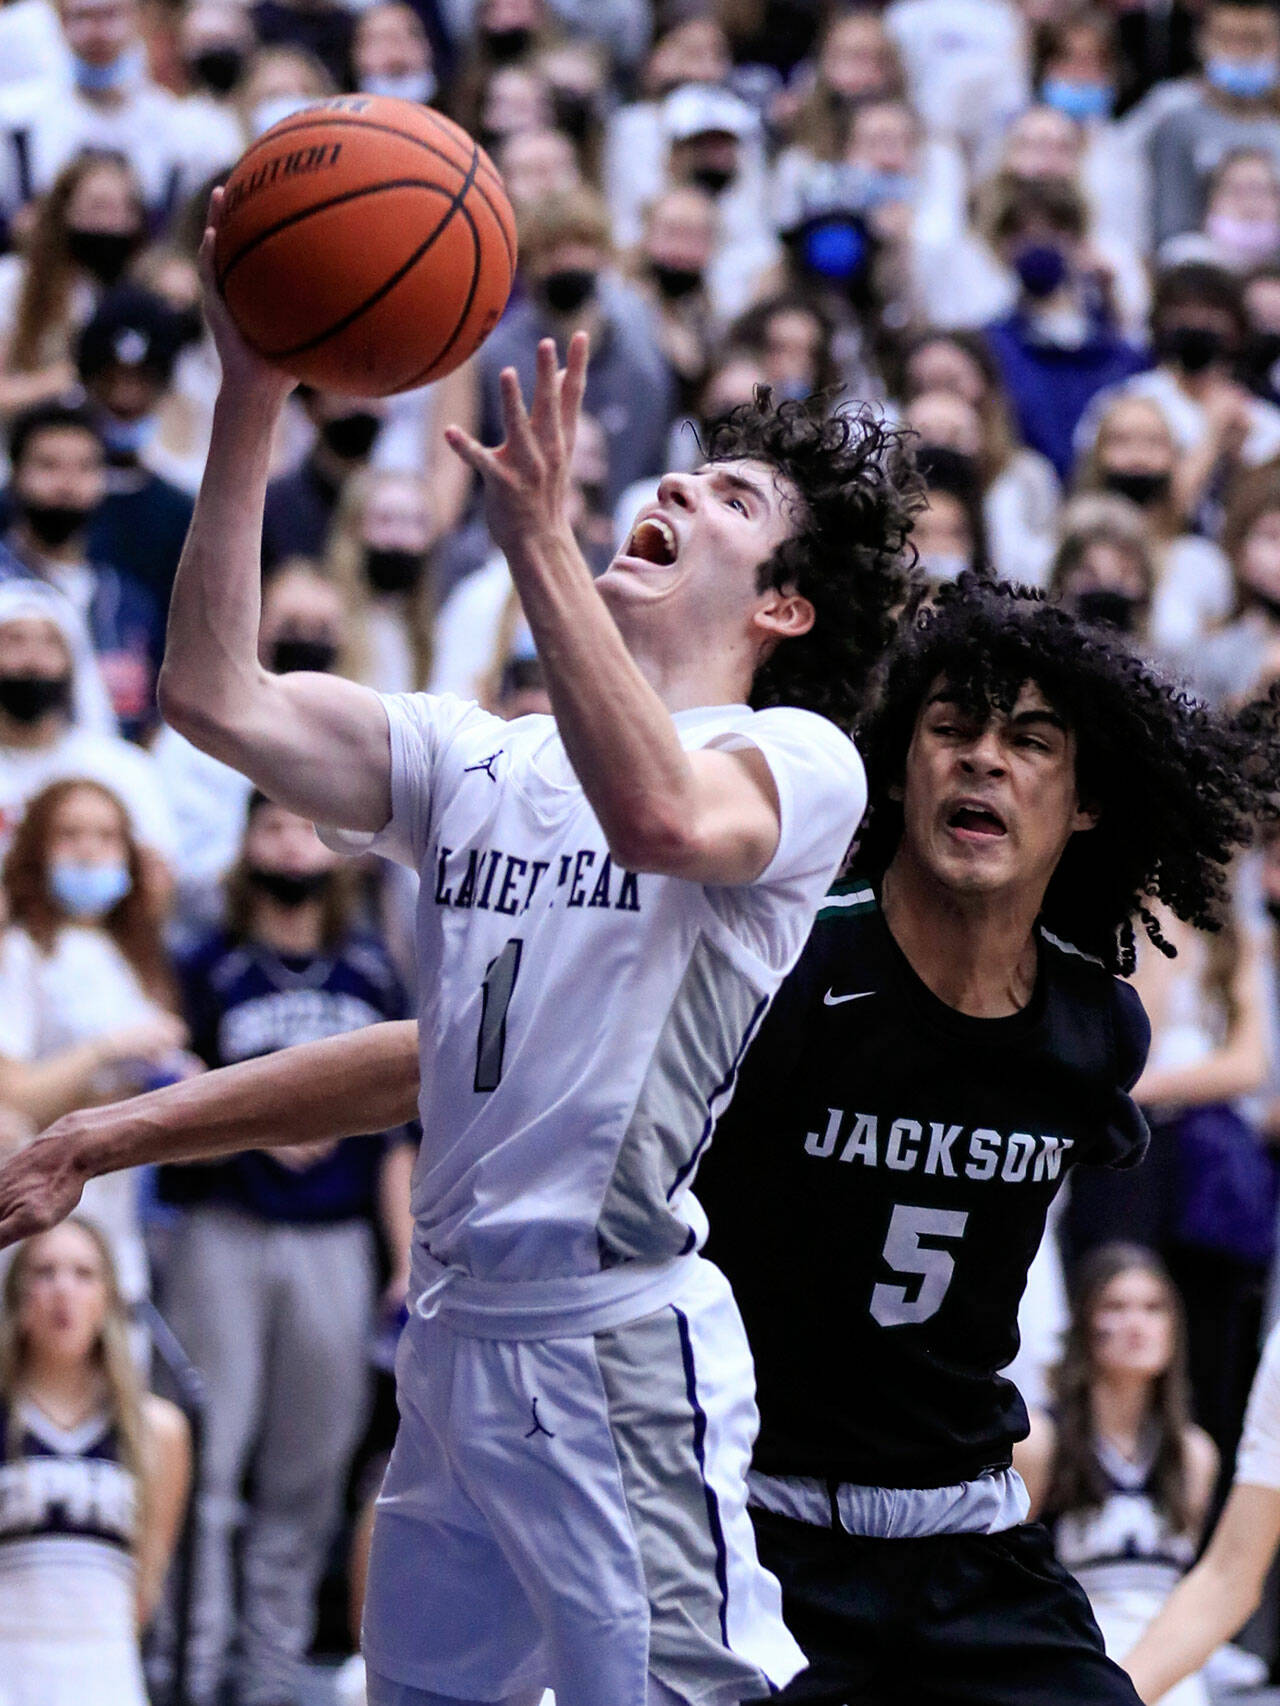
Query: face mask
{"type": "Point", "coordinates": [286, 888]}
{"type": "Point", "coordinates": [1192, 348]}
{"type": "Point", "coordinates": [54, 524]}
{"type": "Point", "coordinates": [1142, 489]}
{"type": "Point", "coordinates": [1244, 79]}
{"type": "Point", "coordinates": [714, 179]}
{"type": "Point", "coordinates": [88, 891]}
{"type": "Point", "coordinates": [352, 436]}
{"type": "Point", "coordinates": [189, 325]}
{"type": "Point", "coordinates": [27, 698]}
{"type": "Point", "coordinates": [104, 254]}
{"type": "Point", "coordinates": [1250, 239]}
{"type": "Point", "coordinates": [1273, 906]}
{"type": "Point", "coordinates": [573, 113]}
{"type": "Point", "coordinates": [1262, 356]}
{"type": "Point", "coordinates": [389, 570]}
{"type": "Point", "coordinates": [675, 282]}
{"type": "Point", "coordinates": [874, 189]}
{"type": "Point", "coordinates": [940, 566]}
{"type": "Point", "coordinates": [502, 46]}
{"type": "Point", "coordinates": [123, 72]}
{"type": "Point", "coordinates": [564, 292]}
{"type": "Point", "coordinates": [1041, 269]}
{"type": "Point", "coordinates": [1080, 101]}
{"type": "Point", "coordinates": [267, 113]}
{"type": "Point", "coordinates": [1267, 602]}
{"type": "Point", "coordinates": [836, 249]}
{"type": "Point", "coordinates": [415, 86]}
{"type": "Point", "coordinates": [293, 653]}
{"type": "Point", "coordinates": [217, 69]}
{"type": "Point", "coordinates": [126, 440]}
{"type": "Point", "coordinates": [1105, 608]}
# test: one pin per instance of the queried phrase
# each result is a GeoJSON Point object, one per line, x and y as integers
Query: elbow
{"type": "Point", "coordinates": [195, 717]}
{"type": "Point", "coordinates": [657, 839]}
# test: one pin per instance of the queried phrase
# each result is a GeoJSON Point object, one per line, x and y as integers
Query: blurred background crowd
{"type": "Point", "coordinates": [1042, 234]}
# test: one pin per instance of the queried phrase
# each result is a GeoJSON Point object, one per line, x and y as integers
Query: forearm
{"type": "Point", "coordinates": [394, 1189]}
{"type": "Point", "coordinates": [362, 1081]}
{"type": "Point", "coordinates": [617, 733]}
{"type": "Point", "coordinates": [211, 670]}
{"type": "Point", "coordinates": [46, 1089]}
{"type": "Point", "coordinates": [1204, 1610]}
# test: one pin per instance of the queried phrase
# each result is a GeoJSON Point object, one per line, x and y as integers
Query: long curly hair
{"type": "Point", "coordinates": [1076, 1482]}
{"type": "Point", "coordinates": [1178, 788]}
{"type": "Point", "coordinates": [851, 554]}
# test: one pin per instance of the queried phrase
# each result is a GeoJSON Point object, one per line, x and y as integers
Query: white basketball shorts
{"type": "Point", "coordinates": [571, 1513]}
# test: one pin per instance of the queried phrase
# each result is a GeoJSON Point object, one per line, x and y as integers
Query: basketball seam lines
{"type": "Point", "coordinates": [389, 284]}
{"type": "Point", "coordinates": [420, 377]}
{"type": "Point", "coordinates": [417, 142]}
{"type": "Point", "coordinates": [322, 207]}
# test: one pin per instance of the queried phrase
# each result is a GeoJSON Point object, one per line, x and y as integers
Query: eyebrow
{"type": "Point", "coordinates": [738, 481]}
{"type": "Point", "coordinates": [1022, 719]}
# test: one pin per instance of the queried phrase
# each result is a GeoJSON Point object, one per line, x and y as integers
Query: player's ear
{"type": "Point", "coordinates": [1087, 814]}
{"type": "Point", "coordinates": [785, 614]}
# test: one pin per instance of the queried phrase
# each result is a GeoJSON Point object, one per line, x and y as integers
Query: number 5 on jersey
{"type": "Point", "coordinates": [893, 1305]}
{"type": "Point", "coordinates": [499, 986]}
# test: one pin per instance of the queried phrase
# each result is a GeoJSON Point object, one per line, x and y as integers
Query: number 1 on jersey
{"type": "Point", "coordinates": [499, 986]}
{"type": "Point", "coordinates": [891, 1305]}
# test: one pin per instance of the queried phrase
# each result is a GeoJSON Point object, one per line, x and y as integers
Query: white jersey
{"type": "Point", "coordinates": [581, 1025]}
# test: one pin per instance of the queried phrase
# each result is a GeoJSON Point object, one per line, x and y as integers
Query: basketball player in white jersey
{"type": "Point", "coordinates": [609, 899]}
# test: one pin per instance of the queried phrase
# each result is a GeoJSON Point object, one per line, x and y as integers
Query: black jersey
{"type": "Point", "coordinates": [879, 1186]}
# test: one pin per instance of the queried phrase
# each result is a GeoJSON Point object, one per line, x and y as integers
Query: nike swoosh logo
{"type": "Point", "coordinates": [830, 999]}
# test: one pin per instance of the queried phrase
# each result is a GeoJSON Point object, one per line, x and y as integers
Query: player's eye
{"type": "Point", "coordinates": [738, 504]}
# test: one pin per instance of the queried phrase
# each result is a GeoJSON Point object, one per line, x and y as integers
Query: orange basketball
{"type": "Point", "coordinates": [366, 246]}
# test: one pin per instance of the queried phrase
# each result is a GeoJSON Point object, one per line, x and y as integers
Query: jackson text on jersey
{"type": "Point", "coordinates": [937, 1149]}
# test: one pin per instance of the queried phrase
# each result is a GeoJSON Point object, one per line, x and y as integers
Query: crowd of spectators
{"type": "Point", "coordinates": [1042, 234]}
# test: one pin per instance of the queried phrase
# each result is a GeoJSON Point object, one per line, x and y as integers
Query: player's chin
{"type": "Point", "coordinates": [632, 579]}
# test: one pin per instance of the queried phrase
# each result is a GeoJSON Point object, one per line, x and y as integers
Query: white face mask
{"type": "Point", "coordinates": [416, 86]}
{"type": "Point", "coordinates": [270, 112]}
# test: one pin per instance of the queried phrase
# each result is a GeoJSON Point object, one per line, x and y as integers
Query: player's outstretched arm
{"type": "Point", "coordinates": [315, 743]}
{"type": "Point", "coordinates": [362, 1081]}
{"type": "Point", "coordinates": [712, 817]}
{"type": "Point", "coordinates": [1214, 1599]}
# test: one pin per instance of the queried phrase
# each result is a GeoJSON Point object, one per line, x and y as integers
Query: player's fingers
{"type": "Point", "coordinates": [520, 441]}
{"type": "Point", "coordinates": [544, 416]}
{"type": "Point", "coordinates": [573, 384]}
{"type": "Point", "coordinates": [473, 453]}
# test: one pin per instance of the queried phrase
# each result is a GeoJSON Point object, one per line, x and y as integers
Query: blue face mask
{"type": "Point", "coordinates": [88, 891]}
{"type": "Point", "coordinates": [1080, 101]}
{"type": "Point", "coordinates": [416, 86]}
{"type": "Point", "coordinates": [123, 72]}
{"type": "Point", "coordinates": [127, 438]}
{"type": "Point", "coordinates": [1245, 79]}
{"type": "Point", "coordinates": [1041, 268]}
{"type": "Point", "coordinates": [875, 188]}
{"type": "Point", "coordinates": [835, 249]}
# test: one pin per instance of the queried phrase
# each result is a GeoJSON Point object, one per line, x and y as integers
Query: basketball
{"type": "Point", "coordinates": [366, 245]}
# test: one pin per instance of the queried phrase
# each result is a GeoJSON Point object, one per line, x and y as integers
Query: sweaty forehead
{"type": "Point", "coordinates": [779, 495]}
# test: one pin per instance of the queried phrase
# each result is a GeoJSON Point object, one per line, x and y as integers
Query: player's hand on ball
{"type": "Point", "coordinates": [242, 367]}
{"type": "Point", "coordinates": [526, 477]}
{"type": "Point", "coordinates": [40, 1185]}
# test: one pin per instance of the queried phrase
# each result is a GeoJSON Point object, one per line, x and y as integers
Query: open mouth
{"type": "Point", "coordinates": [975, 821]}
{"type": "Point", "coordinates": [652, 540]}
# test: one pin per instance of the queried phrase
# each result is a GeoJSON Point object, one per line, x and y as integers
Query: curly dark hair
{"type": "Point", "coordinates": [850, 554]}
{"type": "Point", "coordinates": [1178, 788]}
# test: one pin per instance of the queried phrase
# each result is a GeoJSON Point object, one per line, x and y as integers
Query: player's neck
{"type": "Point", "coordinates": [1120, 1404]}
{"type": "Point", "coordinates": [977, 953]}
{"type": "Point", "coordinates": [685, 683]}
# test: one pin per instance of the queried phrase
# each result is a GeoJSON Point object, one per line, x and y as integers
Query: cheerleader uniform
{"type": "Point", "coordinates": [1127, 1557]}
{"type": "Point", "coordinates": [68, 1520]}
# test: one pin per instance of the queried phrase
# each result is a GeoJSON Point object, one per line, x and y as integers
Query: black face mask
{"type": "Point", "coordinates": [286, 888]}
{"type": "Point", "coordinates": [1103, 607]}
{"type": "Point", "coordinates": [564, 292]}
{"type": "Point", "coordinates": [1273, 906]}
{"type": "Point", "coordinates": [27, 698]}
{"type": "Point", "coordinates": [188, 325]}
{"type": "Point", "coordinates": [292, 653]}
{"type": "Point", "coordinates": [1261, 359]}
{"type": "Point", "coordinates": [1140, 488]}
{"type": "Point", "coordinates": [714, 179]}
{"type": "Point", "coordinates": [351, 436]}
{"type": "Point", "coordinates": [573, 113]}
{"type": "Point", "coordinates": [105, 254]}
{"type": "Point", "coordinates": [54, 524]}
{"type": "Point", "coordinates": [675, 283]}
{"type": "Point", "coordinates": [389, 570]}
{"type": "Point", "coordinates": [1264, 601]}
{"type": "Point", "coordinates": [502, 46]}
{"type": "Point", "coordinates": [217, 68]}
{"type": "Point", "coordinates": [1192, 348]}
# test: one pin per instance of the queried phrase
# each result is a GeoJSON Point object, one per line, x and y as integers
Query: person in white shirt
{"type": "Point", "coordinates": [175, 145]}
{"type": "Point", "coordinates": [1214, 1600]}
{"type": "Point", "coordinates": [610, 897]}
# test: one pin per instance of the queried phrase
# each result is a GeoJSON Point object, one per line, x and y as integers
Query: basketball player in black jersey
{"type": "Point", "coordinates": [953, 1041]}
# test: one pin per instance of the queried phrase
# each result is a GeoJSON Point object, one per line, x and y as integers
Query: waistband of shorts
{"type": "Point", "coordinates": [567, 1308]}
{"type": "Point", "coordinates": [987, 1505]}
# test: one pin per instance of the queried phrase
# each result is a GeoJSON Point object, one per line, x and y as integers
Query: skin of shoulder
{"type": "Point", "coordinates": [1033, 1459]}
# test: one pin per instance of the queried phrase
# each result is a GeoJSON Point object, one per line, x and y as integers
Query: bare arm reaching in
{"type": "Point", "coordinates": [362, 1081]}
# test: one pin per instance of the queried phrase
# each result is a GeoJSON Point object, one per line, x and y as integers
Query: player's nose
{"type": "Point", "coordinates": [678, 489]}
